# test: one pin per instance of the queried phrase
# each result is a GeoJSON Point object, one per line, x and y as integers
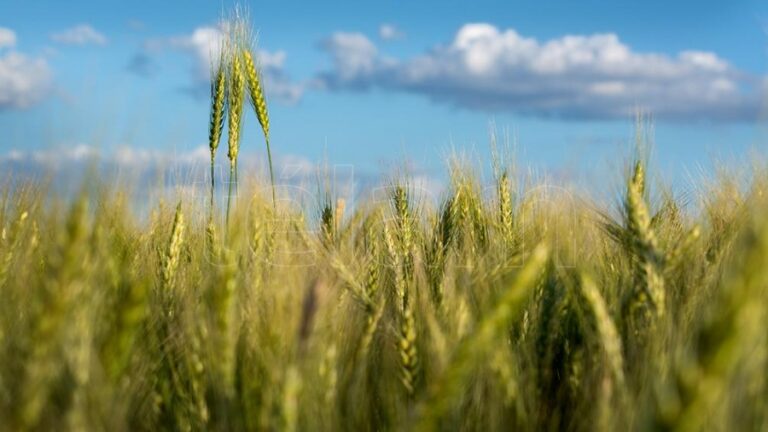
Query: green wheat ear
{"type": "Point", "coordinates": [218, 113]}
{"type": "Point", "coordinates": [649, 261]}
{"type": "Point", "coordinates": [172, 253]}
{"type": "Point", "coordinates": [259, 103]}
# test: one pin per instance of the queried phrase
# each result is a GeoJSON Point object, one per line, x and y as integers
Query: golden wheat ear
{"type": "Point", "coordinates": [259, 103]}
{"type": "Point", "coordinates": [236, 99]}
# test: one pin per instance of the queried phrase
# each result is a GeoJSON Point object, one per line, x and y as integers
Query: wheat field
{"type": "Point", "coordinates": [503, 306]}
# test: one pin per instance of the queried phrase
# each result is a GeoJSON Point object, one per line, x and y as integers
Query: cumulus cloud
{"type": "Point", "coordinates": [204, 44]}
{"type": "Point", "coordinates": [357, 62]}
{"type": "Point", "coordinates": [82, 34]}
{"type": "Point", "coordinates": [24, 80]}
{"type": "Point", "coordinates": [390, 32]}
{"type": "Point", "coordinates": [7, 38]}
{"type": "Point", "coordinates": [574, 76]}
{"type": "Point", "coordinates": [204, 47]}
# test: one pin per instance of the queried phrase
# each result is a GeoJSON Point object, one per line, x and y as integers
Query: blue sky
{"type": "Point", "coordinates": [374, 82]}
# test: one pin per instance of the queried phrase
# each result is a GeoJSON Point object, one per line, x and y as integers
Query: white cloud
{"type": "Point", "coordinates": [390, 32]}
{"type": "Point", "coordinates": [76, 154]}
{"type": "Point", "coordinates": [24, 80]}
{"type": "Point", "coordinates": [353, 53]}
{"type": "Point", "coordinates": [204, 46]}
{"type": "Point", "coordinates": [574, 76]}
{"type": "Point", "coordinates": [356, 61]}
{"type": "Point", "coordinates": [7, 38]}
{"type": "Point", "coordinates": [82, 34]}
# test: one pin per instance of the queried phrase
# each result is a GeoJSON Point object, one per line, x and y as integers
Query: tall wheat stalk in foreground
{"type": "Point", "coordinates": [218, 113]}
{"type": "Point", "coordinates": [259, 104]}
{"type": "Point", "coordinates": [235, 68]}
{"type": "Point", "coordinates": [236, 100]}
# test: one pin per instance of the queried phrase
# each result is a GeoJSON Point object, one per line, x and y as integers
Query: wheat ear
{"type": "Point", "coordinates": [649, 282]}
{"type": "Point", "coordinates": [218, 113]}
{"type": "Point", "coordinates": [236, 98]}
{"type": "Point", "coordinates": [173, 250]}
{"type": "Point", "coordinates": [505, 209]}
{"type": "Point", "coordinates": [259, 103]}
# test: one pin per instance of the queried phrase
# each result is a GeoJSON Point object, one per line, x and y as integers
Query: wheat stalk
{"type": "Point", "coordinates": [218, 114]}
{"type": "Point", "coordinates": [259, 104]}
{"type": "Point", "coordinates": [236, 99]}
